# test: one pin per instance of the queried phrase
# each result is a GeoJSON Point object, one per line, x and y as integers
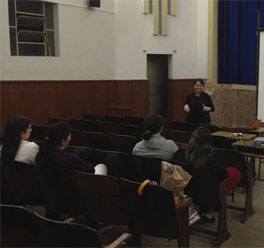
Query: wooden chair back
{"type": "Point", "coordinates": [76, 138]}
{"type": "Point", "coordinates": [59, 190]}
{"type": "Point", "coordinates": [132, 130]}
{"type": "Point", "coordinates": [182, 126]}
{"type": "Point", "coordinates": [95, 139]}
{"type": "Point", "coordinates": [18, 228]}
{"type": "Point", "coordinates": [85, 153]}
{"type": "Point", "coordinates": [84, 125]}
{"type": "Point", "coordinates": [122, 143]}
{"type": "Point", "coordinates": [91, 117]}
{"type": "Point", "coordinates": [112, 118]}
{"type": "Point", "coordinates": [154, 213]}
{"type": "Point", "coordinates": [62, 234]}
{"type": "Point", "coordinates": [6, 195]}
{"type": "Point", "coordinates": [53, 120]}
{"type": "Point", "coordinates": [119, 164]}
{"type": "Point", "coordinates": [100, 198]}
{"type": "Point", "coordinates": [38, 132]}
{"type": "Point", "coordinates": [108, 127]}
{"type": "Point", "coordinates": [177, 136]}
{"type": "Point", "coordinates": [149, 167]}
{"type": "Point", "coordinates": [23, 182]}
{"type": "Point", "coordinates": [133, 120]}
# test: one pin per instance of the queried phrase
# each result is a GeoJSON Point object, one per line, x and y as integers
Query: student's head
{"type": "Point", "coordinates": [198, 85]}
{"type": "Point", "coordinates": [17, 128]}
{"type": "Point", "coordinates": [152, 125]}
{"type": "Point", "coordinates": [199, 147]}
{"type": "Point", "coordinates": [58, 135]}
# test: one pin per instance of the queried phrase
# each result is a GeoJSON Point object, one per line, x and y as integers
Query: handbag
{"type": "Point", "coordinates": [174, 178]}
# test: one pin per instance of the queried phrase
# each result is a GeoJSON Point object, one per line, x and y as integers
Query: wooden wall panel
{"type": "Point", "coordinates": [178, 91]}
{"type": "Point", "coordinates": [135, 95]}
{"type": "Point", "coordinates": [40, 100]}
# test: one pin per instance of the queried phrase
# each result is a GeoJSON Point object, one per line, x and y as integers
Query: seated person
{"type": "Point", "coordinates": [200, 160]}
{"type": "Point", "coordinates": [15, 142]}
{"type": "Point", "coordinates": [51, 151]}
{"type": "Point", "coordinates": [153, 144]}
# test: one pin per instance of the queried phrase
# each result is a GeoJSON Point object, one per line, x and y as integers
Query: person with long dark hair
{"type": "Point", "coordinates": [207, 171]}
{"type": "Point", "coordinates": [154, 144]}
{"type": "Point", "coordinates": [52, 151]}
{"type": "Point", "coordinates": [198, 104]}
{"type": "Point", "coordinates": [200, 153]}
{"type": "Point", "coordinates": [201, 158]}
{"type": "Point", "coordinates": [15, 142]}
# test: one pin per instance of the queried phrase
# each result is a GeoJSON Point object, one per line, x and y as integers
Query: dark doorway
{"type": "Point", "coordinates": [157, 73]}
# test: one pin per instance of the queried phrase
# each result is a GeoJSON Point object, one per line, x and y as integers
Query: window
{"type": "Point", "coordinates": [31, 28]}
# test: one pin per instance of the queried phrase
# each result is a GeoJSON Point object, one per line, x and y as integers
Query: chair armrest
{"type": "Point", "coordinates": [185, 203]}
{"type": "Point", "coordinates": [122, 241]}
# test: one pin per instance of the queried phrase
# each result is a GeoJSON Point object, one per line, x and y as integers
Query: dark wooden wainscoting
{"type": "Point", "coordinates": [40, 100]}
{"type": "Point", "coordinates": [178, 91]}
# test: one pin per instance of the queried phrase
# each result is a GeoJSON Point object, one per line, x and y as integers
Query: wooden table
{"type": "Point", "coordinates": [258, 131]}
{"type": "Point", "coordinates": [247, 148]}
{"type": "Point", "coordinates": [229, 135]}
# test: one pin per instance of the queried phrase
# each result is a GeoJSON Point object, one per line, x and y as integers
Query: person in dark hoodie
{"type": "Point", "coordinates": [52, 151]}
{"type": "Point", "coordinates": [153, 144]}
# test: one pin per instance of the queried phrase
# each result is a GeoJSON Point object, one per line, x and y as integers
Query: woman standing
{"type": "Point", "coordinates": [198, 104]}
{"type": "Point", "coordinates": [15, 145]}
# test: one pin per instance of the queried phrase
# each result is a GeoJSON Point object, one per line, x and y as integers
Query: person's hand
{"type": "Point", "coordinates": [206, 109]}
{"type": "Point", "coordinates": [186, 108]}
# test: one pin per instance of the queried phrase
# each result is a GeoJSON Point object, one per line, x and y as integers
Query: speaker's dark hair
{"type": "Point", "coordinates": [198, 80]}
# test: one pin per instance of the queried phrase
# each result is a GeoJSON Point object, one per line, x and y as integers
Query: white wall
{"type": "Point", "coordinates": [187, 34]}
{"type": "Point", "coordinates": [99, 44]}
{"type": "Point", "coordinates": [86, 48]}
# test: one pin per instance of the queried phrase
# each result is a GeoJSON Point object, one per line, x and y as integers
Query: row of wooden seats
{"type": "Point", "coordinates": [21, 227]}
{"type": "Point", "coordinates": [101, 122]}
{"type": "Point", "coordinates": [123, 169]}
{"type": "Point", "coordinates": [101, 199]}
{"type": "Point", "coordinates": [175, 130]}
{"type": "Point", "coordinates": [125, 142]}
{"type": "Point", "coordinates": [174, 125]}
{"type": "Point", "coordinates": [38, 131]}
{"type": "Point", "coordinates": [93, 124]}
{"type": "Point", "coordinates": [115, 142]}
{"type": "Point", "coordinates": [230, 158]}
